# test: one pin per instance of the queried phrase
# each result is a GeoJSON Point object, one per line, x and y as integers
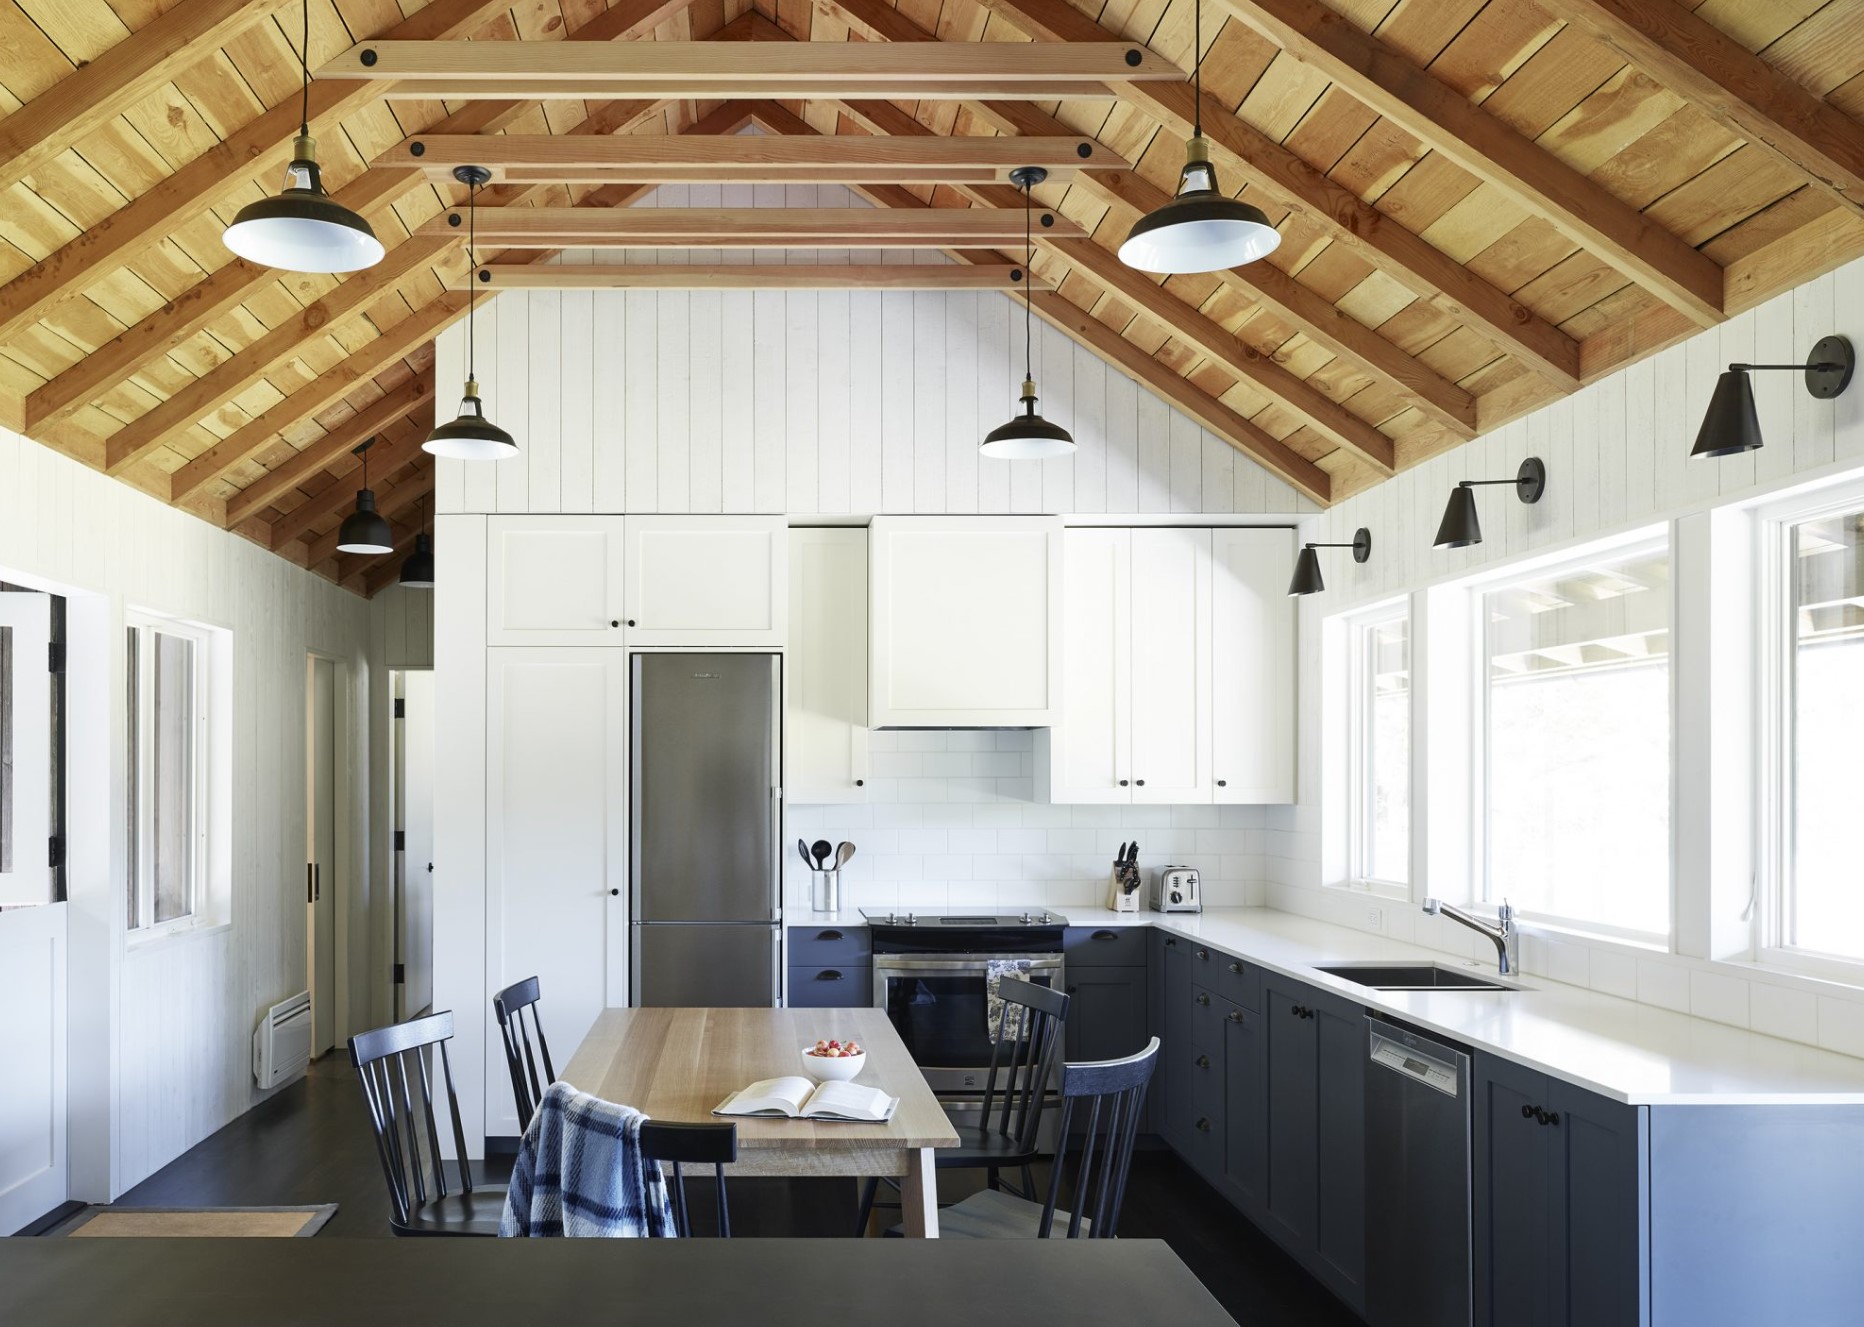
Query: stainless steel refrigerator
{"type": "Point", "coordinates": [705, 785]}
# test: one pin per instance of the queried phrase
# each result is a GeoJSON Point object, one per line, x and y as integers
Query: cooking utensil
{"type": "Point", "coordinates": [844, 854]}
{"type": "Point", "coordinates": [821, 848]}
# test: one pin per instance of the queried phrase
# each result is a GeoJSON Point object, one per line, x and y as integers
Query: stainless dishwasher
{"type": "Point", "coordinates": [1417, 1178]}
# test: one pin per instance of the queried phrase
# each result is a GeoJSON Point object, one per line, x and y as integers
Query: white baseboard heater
{"type": "Point", "coordinates": [281, 1045]}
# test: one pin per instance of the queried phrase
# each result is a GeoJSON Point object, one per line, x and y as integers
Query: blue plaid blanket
{"type": "Point", "coordinates": [580, 1173]}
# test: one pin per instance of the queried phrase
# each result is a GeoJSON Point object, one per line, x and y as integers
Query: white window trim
{"type": "Point", "coordinates": [1357, 633]}
{"type": "Point", "coordinates": [1629, 544]}
{"type": "Point", "coordinates": [206, 911]}
{"type": "Point", "coordinates": [1777, 645]}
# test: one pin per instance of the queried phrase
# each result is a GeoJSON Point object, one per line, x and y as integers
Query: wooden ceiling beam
{"type": "Point", "coordinates": [322, 392]}
{"type": "Point", "coordinates": [745, 228]}
{"type": "Point", "coordinates": [259, 147]}
{"type": "Point", "coordinates": [1240, 149]}
{"type": "Point", "coordinates": [703, 69]}
{"type": "Point", "coordinates": [742, 276]}
{"type": "Point", "coordinates": [324, 454]}
{"type": "Point", "coordinates": [98, 91]}
{"type": "Point", "coordinates": [263, 145]}
{"type": "Point", "coordinates": [737, 158]}
{"type": "Point", "coordinates": [1717, 75]}
{"type": "Point", "coordinates": [1189, 324]}
{"type": "Point", "coordinates": [1446, 121]}
{"type": "Point", "coordinates": [1263, 283]}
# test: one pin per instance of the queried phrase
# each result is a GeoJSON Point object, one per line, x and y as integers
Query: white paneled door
{"type": "Point", "coordinates": [556, 840]}
{"type": "Point", "coordinates": [25, 747]}
{"type": "Point", "coordinates": [1253, 688]}
{"type": "Point", "coordinates": [554, 580]}
{"type": "Point", "coordinates": [1171, 667]}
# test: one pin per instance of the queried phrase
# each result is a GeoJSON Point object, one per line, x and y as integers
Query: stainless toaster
{"type": "Point", "coordinates": [1175, 889]}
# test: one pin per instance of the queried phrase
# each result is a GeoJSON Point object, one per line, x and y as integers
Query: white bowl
{"type": "Point", "coordinates": [837, 1070]}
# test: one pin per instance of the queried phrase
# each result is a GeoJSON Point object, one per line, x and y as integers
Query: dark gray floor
{"type": "Point", "coordinates": [311, 1144]}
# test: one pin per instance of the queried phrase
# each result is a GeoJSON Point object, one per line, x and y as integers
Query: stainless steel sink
{"type": "Point", "coordinates": [1415, 977]}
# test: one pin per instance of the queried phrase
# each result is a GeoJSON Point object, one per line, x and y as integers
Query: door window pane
{"type": "Point", "coordinates": [1578, 744]}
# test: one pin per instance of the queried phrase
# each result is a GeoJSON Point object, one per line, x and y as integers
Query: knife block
{"type": "Point", "coordinates": [1119, 901]}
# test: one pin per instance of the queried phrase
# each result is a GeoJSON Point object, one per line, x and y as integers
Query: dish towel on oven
{"type": "Point", "coordinates": [580, 1173]}
{"type": "Point", "coordinates": [995, 970]}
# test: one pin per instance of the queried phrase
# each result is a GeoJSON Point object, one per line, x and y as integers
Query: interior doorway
{"type": "Point", "coordinates": [320, 856]}
{"type": "Point", "coordinates": [413, 856]}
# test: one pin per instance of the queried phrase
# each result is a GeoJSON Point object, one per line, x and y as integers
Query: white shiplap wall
{"type": "Point", "coordinates": [1617, 458]}
{"type": "Point", "coordinates": [159, 1041]}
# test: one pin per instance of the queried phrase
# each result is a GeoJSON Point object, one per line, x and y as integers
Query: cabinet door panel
{"type": "Point", "coordinates": [825, 669]}
{"type": "Point", "coordinates": [1253, 645]}
{"type": "Point", "coordinates": [1292, 1056]}
{"type": "Point", "coordinates": [1514, 1232]}
{"type": "Point", "coordinates": [1089, 746]}
{"type": "Point", "coordinates": [707, 581]}
{"type": "Point", "coordinates": [1245, 1104]}
{"type": "Point", "coordinates": [1600, 1208]}
{"type": "Point", "coordinates": [1171, 665]}
{"type": "Point", "coordinates": [554, 580]}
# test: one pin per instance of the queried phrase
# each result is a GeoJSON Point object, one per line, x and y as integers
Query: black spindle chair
{"type": "Point", "coordinates": [680, 1145]}
{"type": "Point", "coordinates": [1110, 1094]}
{"type": "Point", "coordinates": [521, 1058]}
{"type": "Point", "coordinates": [401, 1067]}
{"type": "Point", "coordinates": [1023, 1057]}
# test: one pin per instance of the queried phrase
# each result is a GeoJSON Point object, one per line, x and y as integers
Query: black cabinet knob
{"type": "Point", "coordinates": [829, 974]}
{"type": "Point", "coordinates": [1122, 783]}
{"type": "Point", "coordinates": [829, 935]}
{"type": "Point", "coordinates": [1203, 999]}
{"type": "Point", "coordinates": [1203, 1062]}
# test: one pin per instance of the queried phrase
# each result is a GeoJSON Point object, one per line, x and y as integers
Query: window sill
{"type": "Point", "coordinates": [199, 929]}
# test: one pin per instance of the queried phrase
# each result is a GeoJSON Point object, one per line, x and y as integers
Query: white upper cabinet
{"type": "Point", "coordinates": [554, 580]}
{"type": "Point", "coordinates": [1253, 688]}
{"type": "Point", "coordinates": [825, 668]}
{"type": "Point", "coordinates": [1090, 751]}
{"type": "Point", "coordinates": [966, 621]}
{"type": "Point", "coordinates": [1171, 666]}
{"type": "Point", "coordinates": [707, 581]}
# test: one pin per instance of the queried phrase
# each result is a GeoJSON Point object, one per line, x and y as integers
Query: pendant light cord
{"type": "Point", "coordinates": [304, 67]}
{"type": "Point", "coordinates": [1029, 258]}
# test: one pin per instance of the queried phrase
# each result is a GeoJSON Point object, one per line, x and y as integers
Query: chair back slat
{"type": "Point", "coordinates": [400, 1090]}
{"type": "Point", "coordinates": [1112, 1093]}
{"type": "Point", "coordinates": [1023, 1057]}
{"type": "Point", "coordinates": [681, 1145]}
{"type": "Point", "coordinates": [525, 1047]}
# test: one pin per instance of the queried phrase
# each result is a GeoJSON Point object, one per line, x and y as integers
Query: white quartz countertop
{"type": "Point", "coordinates": [1618, 1048]}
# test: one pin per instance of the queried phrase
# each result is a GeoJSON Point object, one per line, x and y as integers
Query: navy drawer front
{"type": "Point", "coordinates": [850, 987]}
{"type": "Point", "coordinates": [827, 945]}
{"type": "Point", "coordinates": [1105, 946]}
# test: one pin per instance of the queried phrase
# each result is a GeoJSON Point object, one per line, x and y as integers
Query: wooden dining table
{"type": "Point", "coordinates": [679, 1064]}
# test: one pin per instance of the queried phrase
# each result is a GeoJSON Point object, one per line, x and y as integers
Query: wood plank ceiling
{"type": "Point", "coordinates": [1484, 204]}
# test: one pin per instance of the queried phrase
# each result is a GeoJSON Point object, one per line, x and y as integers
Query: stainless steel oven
{"type": "Point", "coordinates": [931, 975]}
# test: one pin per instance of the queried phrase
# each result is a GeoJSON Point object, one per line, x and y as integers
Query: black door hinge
{"type": "Point", "coordinates": [401, 974]}
{"type": "Point", "coordinates": [55, 657]}
{"type": "Point", "coordinates": [401, 840]}
{"type": "Point", "coordinates": [55, 852]}
{"type": "Point", "coordinates": [401, 708]}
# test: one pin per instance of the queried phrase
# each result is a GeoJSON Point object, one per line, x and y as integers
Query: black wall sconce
{"type": "Point", "coordinates": [1731, 425]}
{"type": "Point", "coordinates": [1307, 566]}
{"type": "Point", "coordinates": [1460, 527]}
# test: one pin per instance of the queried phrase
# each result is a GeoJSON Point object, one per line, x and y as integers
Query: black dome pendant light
{"type": "Point", "coordinates": [470, 436]}
{"type": "Point", "coordinates": [1731, 425]}
{"type": "Point", "coordinates": [1028, 436]}
{"type": "Point", "coordinates": [302, 228]}
{"type": "Point", "coordinates": [1460, 527]}
{"type": "Point", "coordinates": [1307, 566]}
{"type": "Point", "coordinates": [364, 530]}
{"type": "Point", "coordinates": [417, 569]}
{"type": "Point", "coordinates": [1202, 229]}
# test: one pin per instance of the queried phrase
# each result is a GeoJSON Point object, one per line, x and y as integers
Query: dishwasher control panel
{"type": "Point", "coordinates": [1393, 1054]}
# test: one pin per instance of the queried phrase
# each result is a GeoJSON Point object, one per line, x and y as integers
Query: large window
{"type": "Point", "coordinates": [1381, 746]}
{"type": "Point", "coordinates": [169, 664]}
{"type": "Point", "coordinates": [1821, 905]}
{"type": "Point", "coordinates": [1576, 744]}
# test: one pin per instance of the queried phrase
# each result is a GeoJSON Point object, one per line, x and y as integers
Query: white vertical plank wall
{"type": "Point", "coordinates": [163, 1029]}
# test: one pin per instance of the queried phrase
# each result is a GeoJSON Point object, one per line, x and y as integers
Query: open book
{"type": "Point", "coordinates": [800, 1099]}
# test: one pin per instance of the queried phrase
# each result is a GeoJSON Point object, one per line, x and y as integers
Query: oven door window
{"type": "Point", "coordinates": [942, 1017]}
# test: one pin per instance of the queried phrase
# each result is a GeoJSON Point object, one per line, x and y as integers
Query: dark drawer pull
{"type": "Point", "coordinates": [1203, 1062]}
{"type": "Point", "coordinates": [1202, 998]}
{"type": "Point", "coordinates": [830, 935]}
{"type": "Point", "coordinates": [1237, 968]}
{"type": "Point", "coordinates": [829, 974]}
{"type": "Point", "coordinates": [1203, 953]}
{"type": "Point", "coordinates": [1204, 1125]}
{"type": "Point", "coordinates": [1106, 935]}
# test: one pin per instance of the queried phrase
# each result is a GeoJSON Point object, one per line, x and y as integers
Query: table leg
{"type": "Point", "coordinates": [919, 1195]}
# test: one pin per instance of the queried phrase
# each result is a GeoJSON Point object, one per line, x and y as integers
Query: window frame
{"type": "Point", "coordinates": [139, 728]}
{"type": "Point", "coordinates": [1777, 642]}
{"type": "Point", "coordinates": [1359, 627]}
{"type": "Point", "coordinates": [1481, 855]}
